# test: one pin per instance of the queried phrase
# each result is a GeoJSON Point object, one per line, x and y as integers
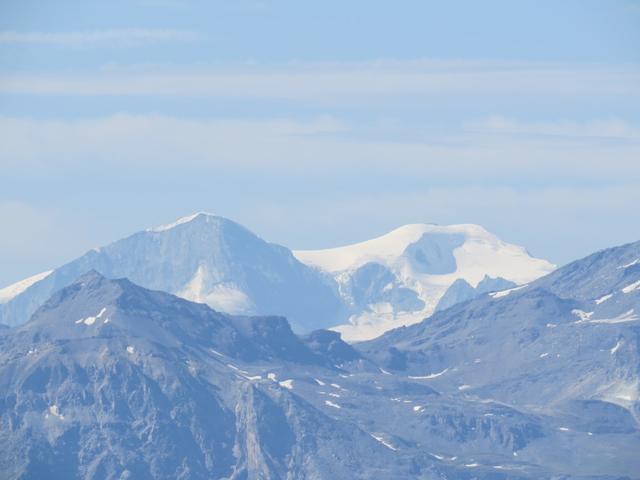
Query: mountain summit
{"type": "Point", "coordinates": [110, 380]}
{"type": "Point", "coordinates": [399, 278]}
{"type": "Point", "coordinates": [203, 258]}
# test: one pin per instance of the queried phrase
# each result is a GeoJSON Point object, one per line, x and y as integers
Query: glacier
{"type": "Point", "coordinates": [399, 278]}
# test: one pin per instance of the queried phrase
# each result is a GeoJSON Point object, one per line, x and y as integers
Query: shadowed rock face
{"type": "Point", "coordinates": [460, 291]}
{"type": "Point", "coordinates": [373, 283]}
{"type": "Point", "coordinates": [328, 344]}
{"type": "Point", "coordinates": [206, 259]}
{"type": "Point", "coordinates": [433, 253]}
{"type": "Point", "coordinates": [111, 380]}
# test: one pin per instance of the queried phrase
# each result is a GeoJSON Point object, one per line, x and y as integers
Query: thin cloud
{"type": "Point", "coordinates": [605, 129]}
{"type": "Point", "coordinates": [348, 83]}
{"type": "Point", "coordinates": [323, 147]}
{"type": "Point", "coordinates": [124, 36]}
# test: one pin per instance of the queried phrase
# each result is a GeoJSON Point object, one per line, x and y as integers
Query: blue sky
{"type": "Point", "coordinates": [318, 124]}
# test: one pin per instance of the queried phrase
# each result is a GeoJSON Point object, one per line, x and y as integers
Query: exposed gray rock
{"type": "Point", "coordinates": [565, 347]}
{"type": "Point", "coordinates": [460, 291]}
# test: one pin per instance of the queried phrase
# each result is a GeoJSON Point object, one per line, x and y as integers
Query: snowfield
{"type": "Point", "coordinates": [402, 275]}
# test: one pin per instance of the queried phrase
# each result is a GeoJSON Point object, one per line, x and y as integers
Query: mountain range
{"type": "Point", "coordinates": [360, 290]}
{"type": "Point", "coordinates": [203, 258]}
{"type": "Point", "coordinates": [112, 380]}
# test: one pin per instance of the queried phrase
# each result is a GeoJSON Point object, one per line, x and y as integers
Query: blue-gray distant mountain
{"type": "Point", "coordinates": [361, 290]}
{"type": "Point", "coordinates": [110, 380]}
{"type": "Point", "coordinates": [203, 258]}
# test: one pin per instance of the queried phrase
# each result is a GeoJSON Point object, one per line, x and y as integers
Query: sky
{"type": "Point", "coordinates": [317, 124]}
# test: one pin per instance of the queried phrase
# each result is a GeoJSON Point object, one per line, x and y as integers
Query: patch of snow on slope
{"type": "Point", "coordinates": [616, 348]}
{"type": "Point", "coordinates": [631, 264]}
{"type": "Point", "coordinates": [383, 442]}
{"type": "Point", "coordinates": [233, 367]}
{"type": "Point", "coordinates": [443, 457]}
{"type": "Point", "coordinates": [604, 298]}
{"type": "Point", "coordinates": [53, 410]}
{"type": "Point", "coordinates": [329, 403]}
{"type": "Point", "coordinates": [582, 315]}
{"type": "Point", "coordinates": [431, 375]}
{"type": "Point", "coordinates": [7, 293]}
{"type": "Point", "coordinates": [368, 325]}
{"type": "Point", "coordinates": [222, 296]}
{"type": "Point", "coordinates": [628, 316]}
{"type": "Point", "coordinates": [288, 384]}
{"type": "Point", "coordinates": [229, 298]}
{"type": "Point", "coordinates": [504, 293]}
{"type": "Point", "coordinates": [194, 289]}
{"type": "Point", "coordinates": [91, 320]}
{"type": "Point", "coordinates": [631, 288]}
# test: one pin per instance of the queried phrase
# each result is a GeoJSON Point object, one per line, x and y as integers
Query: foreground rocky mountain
{"type": "Point", "coordinates": [203, 258]}
{"type": "Point", "coordinates": [565, 347]}
{"type": "Point", "coordinates": [399, 278]}
{"type": "Point", "coordinates": [110, 380]}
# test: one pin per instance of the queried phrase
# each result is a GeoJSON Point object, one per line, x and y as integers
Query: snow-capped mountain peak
{"type": "Point", "coordinates": [382, 249]}
{"type": "Point", "coordinates": [204, 258]}
{"type": "Point", "coordinates": [8, 293]}
{"type": "Point", "coordinates": [388, 249]}
{"type": "Point", "coordinates": [398, 278]}
{"type": "Point", "coordinates": [184, 220]}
